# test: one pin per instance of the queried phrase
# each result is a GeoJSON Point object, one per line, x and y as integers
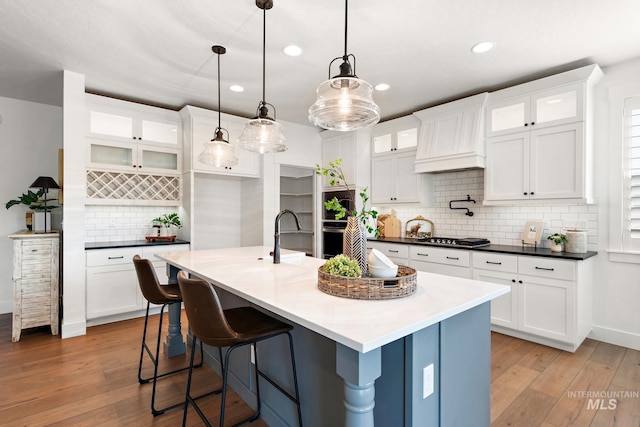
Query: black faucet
{"type": "Point", "coordinates": [276, 235]}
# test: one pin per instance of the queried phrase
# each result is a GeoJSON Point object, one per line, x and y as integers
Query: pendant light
{"type": "Point", "coordinates": [263, 134]}
{"type": "Point", "coordinates": [219, 152]}
{"type": "Point", "coordinates": [344, 102]}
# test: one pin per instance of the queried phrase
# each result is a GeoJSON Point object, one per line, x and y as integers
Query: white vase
{"type": "Point", "coordinates": [38, 220]}
{"type": "Point", "coordinates": [556, 247]}
{"type": "Point", "coordinates": [354, 243]}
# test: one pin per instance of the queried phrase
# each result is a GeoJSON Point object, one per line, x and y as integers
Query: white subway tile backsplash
{"type": "Point", "coordinates": [120, 223]}
{"type": "Point", "coordinates": [500, 224]}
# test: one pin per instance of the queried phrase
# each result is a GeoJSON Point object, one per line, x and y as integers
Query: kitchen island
{"type": "Point", "coordinates": [420, 360]}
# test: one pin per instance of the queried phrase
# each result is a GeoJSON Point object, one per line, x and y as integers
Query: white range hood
{"type": "Point", "coordinates": [452, 136]}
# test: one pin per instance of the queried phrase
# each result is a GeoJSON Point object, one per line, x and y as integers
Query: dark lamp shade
{"type": "Point", "coordinates": [45, 182]}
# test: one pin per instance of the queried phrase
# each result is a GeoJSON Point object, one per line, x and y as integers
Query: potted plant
{"type": "Point", "coordinates": [354, 243]}
{"type": "Point", "coordinates": [168, 221]}
{"type": "Point", "coordinates": [32, 200]}
{"type": "Point", "coordinates": [557, 242]}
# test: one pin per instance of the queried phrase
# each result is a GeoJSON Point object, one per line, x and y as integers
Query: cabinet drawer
{"type": "Point", "coordinates": [495, 262]}
{"type": "Point", "coordinates": [111, 256]}
{"type": "Point", "coordinates": [440, 255]}
{"type": "Point", "coordinates": [36, 251]}
{"type": "Point", "coordinates": [546, 267]}
{"type": "Point", "coordinates": [395, 250]}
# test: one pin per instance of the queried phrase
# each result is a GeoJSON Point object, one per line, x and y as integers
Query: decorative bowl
{"type": "Point", "coordinates": [383, 272]}
{"type": "Point", "coordinates": [378, 259]}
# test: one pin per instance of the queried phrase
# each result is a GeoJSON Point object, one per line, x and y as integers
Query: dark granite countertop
{"type": "Point", "coordinates": [131, 243]}
{"type": "Point", "coordinates": [505, 249]}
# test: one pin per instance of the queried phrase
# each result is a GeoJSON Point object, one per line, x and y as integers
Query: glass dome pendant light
{"type": "Point", "coordinates": [218, 152]}
{"type": "Point", "coordinates": [263, 134]}
{"type": "Point", "coordinates": [344, 102]}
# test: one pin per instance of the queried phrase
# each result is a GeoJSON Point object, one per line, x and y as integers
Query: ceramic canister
{"type": "Point", "coordinates": [576, 241]}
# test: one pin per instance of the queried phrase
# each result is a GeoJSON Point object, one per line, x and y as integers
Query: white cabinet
{"type": "Point", "coordinates": [395, 136]}
{"type": "Point", "coordinates": [354, 148]}
{"type": "Point", "coordinates": [199, 128]}
{"type": "Point", "coordinates": [550, 302]}
{"type": "Point", "coordinates": [131, 156]}
{"type": "Point", "coordinates": [393, 180]}
{"type": "Point", "coordinates": [560, 105]}
{"type": "Point", "coordinates": [539, 140]}
{"type": "Point", "coordinates": [548, 163]}
{"type": "Point", "coordinates": [396, 252]}
{"type": "Point", "coordinates": [113, 292]}
{"type": "Point", "coordinates": [452, 136]}
{"type": "Point", "coordinates": [450, 262]}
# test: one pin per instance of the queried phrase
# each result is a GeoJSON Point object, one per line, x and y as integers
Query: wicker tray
{"type": "Point", "coordinates": [404, 284]}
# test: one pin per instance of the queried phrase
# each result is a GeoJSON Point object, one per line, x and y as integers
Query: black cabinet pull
{"type": "Point", "coordinates": [543, 268]}
{"type": "Point", "coordinates": [525, 193]}
{"type": "Point", "coordinates": [526, 124]}
{"type": "Point", "coordinates": [494, 263]}
{"type": "Point", "coordinates": [533, 123]}
{"type": "Point", "coordinates": [519, 281]}
{"type": "Point", "coordinates": [115, 257]}
{"type": "Point", "coordinates": [393, 251]}
{"type": "Point", "coordinates": [513, 280]}
{"type": "Point", "coordinates": [421, 254]}
{"type": "Point", "coordinates": [451, 257]}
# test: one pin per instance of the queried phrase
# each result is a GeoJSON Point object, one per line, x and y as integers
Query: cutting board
{"type": "Point", "coordinates": [392, 226]}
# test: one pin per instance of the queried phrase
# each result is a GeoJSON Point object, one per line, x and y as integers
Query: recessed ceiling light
{"type": "Point", "coordinates": [382, 87]}
{"type": "Point", "coordinates": [236, 88]}
{"type": "Point", "coordinates": [482, 47]}
{"type": "Point", "coordinates": [292, 50]}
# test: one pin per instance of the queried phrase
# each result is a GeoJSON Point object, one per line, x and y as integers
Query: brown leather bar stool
{"type": "Point", "coordinates": [155, 293]}
{"type": "Point", "coordinates": [233, 328]}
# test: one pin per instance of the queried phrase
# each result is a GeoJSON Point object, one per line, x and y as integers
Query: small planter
{"type": "Point", "coordinates": [557, 247]}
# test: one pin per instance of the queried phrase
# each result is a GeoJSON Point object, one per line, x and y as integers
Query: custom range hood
{"type": "Point", "coordinates": [452, 136]}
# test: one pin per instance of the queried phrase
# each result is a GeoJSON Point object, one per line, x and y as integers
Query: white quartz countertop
{"type": "Point", "coordinates": [290, 290]}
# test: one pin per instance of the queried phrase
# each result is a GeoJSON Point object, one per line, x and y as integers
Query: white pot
{"type": "Point", "coordinates": [165, 230]}
{"type": "Point", "coordinates": [38, 222]}
{"type": "Point", "coordinates": [556, 247]}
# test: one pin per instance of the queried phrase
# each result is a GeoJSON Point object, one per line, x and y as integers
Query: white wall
{"type": "Point", "coordinates": [30, 136]}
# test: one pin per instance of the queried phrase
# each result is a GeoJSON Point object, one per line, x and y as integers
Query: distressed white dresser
{"type": "Point", "coordinates": [35, 281]}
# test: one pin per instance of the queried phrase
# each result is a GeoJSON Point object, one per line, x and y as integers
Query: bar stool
{"type": "Point", "coordinates": [233, 328]}
{"type": "Point", "coordinates": [155, 293]}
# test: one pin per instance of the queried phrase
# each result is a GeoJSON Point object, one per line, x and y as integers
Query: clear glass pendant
{"type": "Point", "coordinates": [262, 135]}
{"type": "Point", "coordinates": [344, 104]}
{"type": "Point", "coordinates": [218, 152]}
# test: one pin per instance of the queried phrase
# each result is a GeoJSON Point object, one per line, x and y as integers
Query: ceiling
{"type": "Point", "coordinates": [159, 51]}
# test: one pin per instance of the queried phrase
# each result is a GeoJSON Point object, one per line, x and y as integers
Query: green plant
{"type": "Point", "coordinates": [336, 178]}
{"type": "Point", "coordinates": [169, 219]}
{"type": "Point", "coordinates": [30, 199]}
{"type": "Point", "coordinates": [342, 265]}
{"type": "Point", "coordinates": [557, 238]}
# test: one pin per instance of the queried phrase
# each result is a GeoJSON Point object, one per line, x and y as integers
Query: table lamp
{"type": "Point", "coordinates": [45, 183]}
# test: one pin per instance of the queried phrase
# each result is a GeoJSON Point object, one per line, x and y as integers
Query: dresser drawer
{"type": "Point", "coordinates": [100, 257]}
{"type": "Point", "coordinates": [459, 257]}
{"type": "Point", "coordinates": [36, 251]}
{"type": "Point", "coordinates": [495, 262]}
{"type": "Point", "coordinates": [547, 267]}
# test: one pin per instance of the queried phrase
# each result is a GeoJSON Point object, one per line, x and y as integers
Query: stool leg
{"type": "Point", "coordinates": [295, 378]}
{"type": "Point", "coordinates": [154, 411]}
{"type": "Point", "coordinates": [187, 398]}
{"type": "Point", "coordinates": [142, 345]}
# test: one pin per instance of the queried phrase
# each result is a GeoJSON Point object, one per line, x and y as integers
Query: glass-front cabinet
{"type": "Point", "coordinates": [395, 135]}
{"type": "Point", "coordinates": [556, 106]}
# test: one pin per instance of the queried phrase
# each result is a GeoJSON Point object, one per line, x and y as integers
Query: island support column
{"type": "Point", "coordinates": [174, 344]}
{"type": "Point", "coordinates": [359, 371]}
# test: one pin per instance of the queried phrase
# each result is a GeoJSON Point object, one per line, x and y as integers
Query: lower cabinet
{"type": "Point", "coordinates": [396, 252]}
{"type": "Point", "coordinates": [450, 262]}
{"type": "Point", "coordinates": [550, 300]}
{"type": "Point", "coordinates": [113, 292]}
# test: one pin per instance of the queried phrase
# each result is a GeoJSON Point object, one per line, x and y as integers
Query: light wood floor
{"type": "Point", "coordinates": [91, 381]}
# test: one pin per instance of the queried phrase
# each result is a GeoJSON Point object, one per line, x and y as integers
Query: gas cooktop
{"type": "Point", "coordinates": [461, 242]}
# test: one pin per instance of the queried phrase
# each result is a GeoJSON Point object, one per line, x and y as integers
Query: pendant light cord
{"type": "Point", "coordinates": [346, 9]}
{"type": "Point", "coordinates": [264, 43]}
{"type": "Point", "coordinates": [219, 120]}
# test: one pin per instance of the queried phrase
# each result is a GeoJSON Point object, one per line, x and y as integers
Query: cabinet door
{"type": "Point", "coordinates": [382, 179]}
{"type": "Point", "coordinates": [111, 122]}
{"type": "Point", "coordinates": [504, 309]}
{"type": "Point", "coordinates": [546, 307]}
{"type": "Point", "coordinates": [507, 171]}
{"type": "Point", "coordinates": [406, 182]}
{"type": "Point", "coordinates": [557, 106]}
{"type": "Point", "coordinates": [340, 147]}
{"type": "Point", "coordinates": [159, 159]}
{"type": "Point", "coordinates": [557, 162]}
{"type": "Point", "coordinates": [112, 290]}
{"type": "Point", "coordinates": [508, 116]}
{"type": "Point", "coordinates": [112, 155]}
{"type": "Point", "coordinates": [157, 130]}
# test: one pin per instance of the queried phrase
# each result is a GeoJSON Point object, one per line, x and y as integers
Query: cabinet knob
{"type": "Point", "coordinates": [519, 281]}
{"type": "Point", "coordinates": [525, 193]}
{"type": "Point", "coordinates": [135, 166]}
{"type": "Point", "coordinates": [533, 123]}
{"type": "Point", "coordinates": [532, 193]}
{"type": "Point", "coordinates": [513, 280]}
{"type": "Point", "coordinates": [526, 124]}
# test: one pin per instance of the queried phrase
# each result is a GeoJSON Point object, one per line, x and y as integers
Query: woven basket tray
{"type": "Point", "coordinates": [404, 284]}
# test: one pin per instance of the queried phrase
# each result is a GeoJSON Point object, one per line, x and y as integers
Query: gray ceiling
{"type": "Point", "coordinates": [159, 51]}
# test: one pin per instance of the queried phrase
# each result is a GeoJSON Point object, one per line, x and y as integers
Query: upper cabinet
{"type": "Point", "coordinates": [452, 136]}
{"type": "Point", "coordinates": [199, 128]}
{"type": "Point", "coordinates": [353, 148]}
{"type": "Point", "coordinates": [560, 105]}
{"type": "Point", "coordinates": [395, 135]}
{"type": "Point", "coordinates": [539, 140]}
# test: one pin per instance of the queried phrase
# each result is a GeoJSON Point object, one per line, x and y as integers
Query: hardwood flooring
{"type": "Point", "coordinates": [91, 381]}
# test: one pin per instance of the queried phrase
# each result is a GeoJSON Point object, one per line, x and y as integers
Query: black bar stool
{"type": "Point", "coordinates": [155, 293]}
{"type": "Point", "coordinates": [233, 328]}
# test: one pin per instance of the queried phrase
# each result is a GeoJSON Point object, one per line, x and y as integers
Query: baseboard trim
{"type": "Point", "coordinates": [615, 337]}
{"type": "Point", "coordinates": [73, 329]}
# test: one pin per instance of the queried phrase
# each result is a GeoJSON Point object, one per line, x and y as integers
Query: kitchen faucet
{"type": "Point", "coordinates": [276, 235]}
